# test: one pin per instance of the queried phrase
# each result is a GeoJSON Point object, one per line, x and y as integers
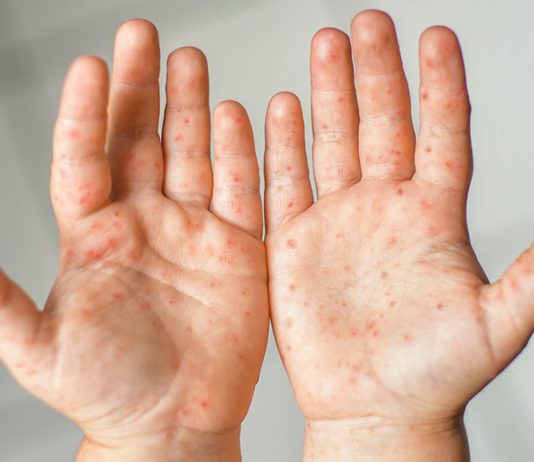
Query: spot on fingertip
{"type": "Point", "coordinates": [429, 62]}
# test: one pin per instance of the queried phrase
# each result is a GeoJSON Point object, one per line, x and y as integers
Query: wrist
{"type": "Point", "coordinates": [180, 445]}
{"type": "Point", "coordinates": [369, 440]}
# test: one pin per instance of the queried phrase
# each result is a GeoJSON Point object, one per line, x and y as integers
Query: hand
{"type": "Point", "coordinates": [154, 332]}
{"type": "Point", "coordinates": [383, 317]}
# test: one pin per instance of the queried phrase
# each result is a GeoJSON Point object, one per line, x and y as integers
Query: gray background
{"type": "Point", "coordinates": [256, 48]}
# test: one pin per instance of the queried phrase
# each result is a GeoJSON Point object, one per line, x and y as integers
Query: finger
{"type": "Point", "coordinates": [236, 194]}
{"type": "Point", "coordinates": [334, 112]}
{"type": "Point", "coordinates": [80, 177]}
{"type": "Point", "coordinates": [443, 154]}
{"type": "Point", "coordinates": [133, 143]}
{"type": "Point", "coordinates": [19, 321]}
{"type": "Point", "coordinates": [386, 132]}
{"type": "Point", "coordinates": [287, 180]}
{"type": "Point", "coordinates": [186, 130]}
{"type": "Point", "coordinates": [509, 308]}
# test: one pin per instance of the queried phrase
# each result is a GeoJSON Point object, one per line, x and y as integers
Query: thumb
{"type": "Point", "coordinates": [19, 321]}
{"type": "Point", "coordinates": [509, 306]}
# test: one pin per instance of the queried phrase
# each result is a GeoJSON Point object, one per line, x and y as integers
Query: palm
{"type": "Point", "coordinates": [399, 267]}
{"type": "Point", "coordinates": [168, 311]}
{"type": "Point", "coordinates": [158, 317]}
{"type": "Point", "coordinates": [379, 305]}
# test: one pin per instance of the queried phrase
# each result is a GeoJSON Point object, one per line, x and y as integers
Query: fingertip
{"type": "Point", "coordinates": [283, 105]}
{"type": "Point", "coordinates": [438, 43]}
{"type": "Point", "coordinates": [85, 90]}
{"type": "Point", "coordinates": [87, 65]}
{"type": "Point", "coordinates": [136, 57]}
{"type": "Point", "coordinates": [229, 115]}
{"type": "Point", "coordinates": [327, 45]}
{"type": "Point", "coordinates": [189, 60]}
{"type": "Point", "coordinates": [368, 27]}
{"type": "Point", "coordinates": [136, 28]}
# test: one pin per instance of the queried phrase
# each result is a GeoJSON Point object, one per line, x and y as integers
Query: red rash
{"type": "Point", "coordinates": [134, 256]}
{"type": "Point", "coordinates": [93, 254]}
{"type": "Point", "coordinates": [400, 191]}
{"type": "Point", "coordinates": [85, 198]}
{"type": "Point", "coordinates": [187, 120]}
{"type": "Point", "coordinates": [425, 204]}
{"type": "Point", "coordinates": [291, 243]}
{"type": "Point", "coordinates": [439, 306]}
{"type": "Point", "coordinates": [178, 138]}
{"type": "Point", "coordinates": [292, 287]}
{"type": "Point", "coordinates": [428, 149]}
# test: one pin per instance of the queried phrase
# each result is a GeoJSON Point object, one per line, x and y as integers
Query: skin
{"type": "Point", "coordinates": [383, 317]}
{"type": "Point", "coordinates": [154, 332]}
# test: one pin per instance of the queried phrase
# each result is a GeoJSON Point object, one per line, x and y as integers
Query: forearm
{"type": "Point", "coordinates": [350, 441]}
{"type": "Point", "coordinates": [183, 446]}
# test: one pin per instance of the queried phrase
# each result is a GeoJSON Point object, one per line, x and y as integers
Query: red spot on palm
{"type": "Point", "coordinates": [133, 255]}
{"type": "Point", "coordinates": [291, 243]}
{"type": "Point", "coordinates": [94, 254]}
{"type": "Point", "coordinates": [117, 296]}
{"type": "Point", "coordinates": [426, 204]}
